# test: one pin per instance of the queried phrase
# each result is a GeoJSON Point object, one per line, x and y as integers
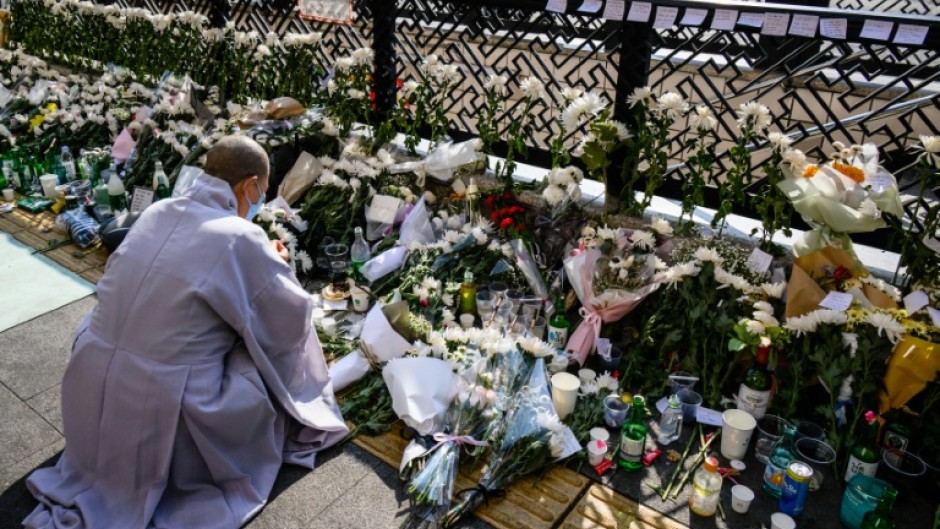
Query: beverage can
{"type": "Point", "coordinates": [795, 487]}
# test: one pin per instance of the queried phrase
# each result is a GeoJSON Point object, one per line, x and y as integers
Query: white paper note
{"type": "Point", "coordinates": [708, 416]}
{"type": "Point", "coordinates": [776, 24]}
{"type": "Point", "coordinates": [759, 261]}
{"type": "Point", "coordinates": [934, 316]}
{"type": "Point", "coordinates": [915, 301]}
{"type": "Point", "coordinates": [724, 19]}
{"type": "Point", "coordinates": [694, 17]}
{"type": "Point", "coordinates": [640, 12]}
{"type": "Point", "coordinates": [613, 10]}
{"type": "Point", "coordinates": [911, 34]}
{"type": "Point", "coordinates": [880, 181]}
{"type": "Point", "coordinates": [876, 29]}
{"type": "Point", "coordinates": [590, 6]}
{"type": "Point", "coordinates": [558, 6]}
{"type": "Point", "coordinates": [754, 20]}
{"type": "Point", "coordinates": [459, 187]}
{"type": "Point", "coordinates": [339, 304]}
{"type": "Point", "coordinates": [840, 301]}
{"type": "Point", "coordinates": [665, 17]}
{"type": "Point", "coordinates": [834, 28]}
{"type": "Point", "coordinates": [143, 197]}
{"type": "Point", "coordinates": [804, 25]}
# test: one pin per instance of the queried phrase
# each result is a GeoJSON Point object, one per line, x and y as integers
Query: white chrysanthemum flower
{"type": "Point", "coordinates": [886, 323]}
{"type": "Point", "coordinates": [588, 106]}
{"type": "Point", "coordinates": [869, 209]}
{"type": "Point", "coordinates": [931, 147]}
{"type": "Point", "coordinates": [671, 104]}
{"type": "Point", "coordinates": [754, 326]}
{"type": "Point", "coordinates": [850, 341]}
{"type": "Point", "coordinates": [728, 279]}
{"type": "Point", "coordinates": [754, 115]}
{"type": "Point", "coordinates": [795, 161]}
{"type": "Point", "coordinates": [532, 88]}
{"type": "Point", "coordinates": [640, 95]}
{"type": "Point", "coordinates": [620, 129]}
{"type": "Point", "coordinates": [705, 254]}
{"type": "Point", "coordinates": [774, 290]}
{"type": "Point", "coordinates": [570, 93]}
{"type": "Point", "coordinates": [607, 234]}
{"type": "Point", "coordinates": [883, 286]}
{"type": "Point", "coordinates": [779, 141]}
{"type": "Point", "coordinates": [606, 382]}
{"type": "Point", "coordinates": [553, 195]}
{"type": "Point", "coordinates": [643, 239]}
{"type": "Point", "coordinates": [588, 388]}
{"type": "Point", "coordinates": [763, 306]}
{"type": "Point", "coordinates": [702, 120]}
{"type": "Point", "coordinates": [661, 226]}
{"type": "Point", "coordinates": [766, 318]}
{"type": "Point", "coordinates": [363, 56]}
{"type": "Point", "coordinates": [497, 84]}
{"type": "Point", "coordinates": [306, 263]}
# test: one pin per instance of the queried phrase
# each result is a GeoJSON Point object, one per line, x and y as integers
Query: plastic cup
{"type": "Point", "coordinates": [819, 455]}
{"type": "Point", "coordinates": [514, 296]}
{"type": "Point", "coordinates": [587, 375]}
{"type": "Point", "coordinates": [499, 289]}
{"type": "Point", "coordinates": [485, 300]}
{"type": "Point", "coordinates": [466, 320]}
{"type": "Point", "coordinates": [675, 386]}
{"type": "Point", "coordinates": [564, 393]}
{"type": "Point", "coordinates": [903, 470]}
{"type": "Point", "coordinates": [8, 195]}
{"type": "Point", "coordinates": [810, 430]}
{"type": "Point", "coordinates": [609, 366]}
{"type": "Point", "coordinates": [48, 182]}
{"type": "Point", "coordinates": [778, 520]}
{"type": "Point", "coordinates": [769, 430]}
{"type": "Point", "coordinates": [690, 403]}
{"type": "Point", "coordinates": [360, 299]}
{"type": "Point", "coordinates": [736, 429]}
{"type": "Point", "coordinates": [615, 411]}
{"type": "Point", "coordinates": [336, 253]}
{"type": "Point", "coordinates": [597, 451]}
{"type": "Point", "coordinates": [536, 328]}
{"type": "Point", "coordinates": [741, 498]}
{"type": "Point", "coordinates": [600, 434]}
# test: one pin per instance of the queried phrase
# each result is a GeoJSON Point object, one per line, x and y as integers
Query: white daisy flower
{"type": "Point", "coordinates": [887, 324]}
{"type": "Point", "coordinates": [661, 226]}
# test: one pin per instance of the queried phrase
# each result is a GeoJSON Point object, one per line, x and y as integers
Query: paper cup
{"type": "Point", "coordinates": [48, 182]}
{"type": "Point", "coordinates": [778, 520]}
{"type": "Point", "coordinates": [587, 375]}
{"type": "Point", "coordinates": [741, 498]}
{"type": "Point", "coordinates": [564, 393]}
{"type": "Point", "coordinates": [360, 299]}
{"type": "Point", "coordinates": [466, 320]}
{"type": "Point", "coordinates": [600, 434]}
{"type": "Point", "coordinates": [597, 451]}
{"type": "Point", "coordinates": [8, 195]}
{"type": "Point", "coordinates": [736, 429]}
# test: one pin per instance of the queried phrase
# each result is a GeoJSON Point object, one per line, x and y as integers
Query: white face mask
{"type": "Point", "coordinates": [254, 207]}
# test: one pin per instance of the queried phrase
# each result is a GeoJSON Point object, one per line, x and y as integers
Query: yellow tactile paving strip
{"type": "Point", "coordinates": [37, 231]}
{"type": "Point", "coordinates": [529, 503]}
{"type": "Point", "coordinates": [601, 507]}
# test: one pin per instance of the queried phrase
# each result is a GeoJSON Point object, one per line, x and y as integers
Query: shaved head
{"type": "Point", "coordinates": [235, 158]}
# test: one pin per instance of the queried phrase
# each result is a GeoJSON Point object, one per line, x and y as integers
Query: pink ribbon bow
{"type": "Point", "coordinates": [459, 440]}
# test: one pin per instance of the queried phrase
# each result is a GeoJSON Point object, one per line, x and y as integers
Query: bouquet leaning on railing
{"type": "Point", "coordinates": [532, 439]}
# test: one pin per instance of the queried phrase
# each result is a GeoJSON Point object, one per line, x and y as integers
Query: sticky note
{"type": "Point", "coordinates": [640, 12]}
{"type": "Point", "coordinates": [834, 28]}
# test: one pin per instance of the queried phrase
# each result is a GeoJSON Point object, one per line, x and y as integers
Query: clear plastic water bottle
{"type": "Point", "coordinates": [68, 162]}
{"type": "Point", "coordinates": [670, 424]}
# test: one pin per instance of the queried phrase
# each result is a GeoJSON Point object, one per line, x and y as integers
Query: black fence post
{"type": "Point", "coordinates": [636, 52]}
{"type": "Point", "coordinates": [218, 13]}
{"type": "Point", "coordinates": [386, 61]}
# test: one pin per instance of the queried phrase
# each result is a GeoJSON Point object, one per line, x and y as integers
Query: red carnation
{"type": "Point", "coordinates": [505, 223]}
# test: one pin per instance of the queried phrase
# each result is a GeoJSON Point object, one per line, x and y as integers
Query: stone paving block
{"type": "Point", "coordinates": [601, 507]}
{"type": "Point", "coordinates": [300, 494]}
{"type": "Point", "coordinates": [529, 503]}
{"type": "Point", "coordinates": [48, 404]}
{"type": "Point", "coordinates": [23, 432]}
{"type": "Point", "coordinates": [15, 500]}
{"type": "Point", "coordinates": [33, 355]}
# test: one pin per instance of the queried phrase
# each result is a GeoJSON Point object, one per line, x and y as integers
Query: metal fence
{"type": "Point", "coordinates": [819, 89]}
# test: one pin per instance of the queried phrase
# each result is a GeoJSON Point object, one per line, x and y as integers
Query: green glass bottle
{"type": "Point", "coordinates": [754, 393]}
{"type": "Point", "coordinates": [883, 515]}
{"type": "Point", "coordinates": [468, 294]}
{"type": "Point", "coordinates": [633, 436]}
{"type": "Point", "coordinates": [161, 185]}
{"type": "Point", "coordinates": [779, 458]}
{"type": "Point", "coordinates": [864, 457]}
{"type": "Point", "coordinates": [896, 440]}
{"type": "Point", "coordinates": [559, 325]}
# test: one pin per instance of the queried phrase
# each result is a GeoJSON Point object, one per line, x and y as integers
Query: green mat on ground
{"type": "Point", "coordinates": [32, 285]}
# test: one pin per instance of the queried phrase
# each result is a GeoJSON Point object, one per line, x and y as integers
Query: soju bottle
{"type": "Point", "coordinates": [558, 327]}
{"type": "Point", "coordinates": [468, 294]}
{"type": "Point", "coordinates": [359, 253]}
{"type": "Point", "coordinates": [780, 457]}
{"type": "Point", "coordinates": [68, 164]}
{"type": "Point", "coordinates": [117, 195]}
{"type": "Point", "coordinates": [754, 393]}
{"type": "Point", "coordinates": [864, 456]}
{"type": "Point", "coordinates": [161, 185]}
{"type": "Point", "coordinates": [633, 436]}
{"type": "Point", "coordinates": [883, 515]}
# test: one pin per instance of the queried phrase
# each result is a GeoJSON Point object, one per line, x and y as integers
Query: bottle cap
{"type": "Point", "coordinates": [674, 402]}
{"type": "Point", "coordinates": [711, 464]}
{"type": "Point", "coordinates": [468, 276]}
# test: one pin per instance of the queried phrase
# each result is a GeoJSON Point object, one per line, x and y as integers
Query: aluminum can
{"type": "Point", "coordinates": [795, 488]}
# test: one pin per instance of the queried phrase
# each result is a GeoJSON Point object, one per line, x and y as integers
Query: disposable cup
{"type": "Point", "coordinates": [615, 411]}
{"type": "Point", "coordinates": [8, 195]}
{"type": "Point", "coordinates": [690, 404]}
{"type": "Point", "coordinates": [769, 430]}
{"type": "Point", "coordinates": [587, 375]}
{"type": "Point", "coordinates": [741, 498]}
{"type": "Point", "coordinates": [678, 381]}
{"type": "Point", "coordinates": [466, 320]}
{"type": "Point", "coordinates": [360, 299]}
{"type": "Point", "coordinates": [778, 520]}
{"type": "Point", "coordinates": [564, 393]}
{"type": "Point", "coordinates": [600, 434]}
{"type": "Point", "coordinates": [820, 456]}
{"type": "Point", "coordinates": [597, 451]}
{"type": "Point", "coordinates": [736, 429]}
{"type": "Point", "coordinates": [48, 182]}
